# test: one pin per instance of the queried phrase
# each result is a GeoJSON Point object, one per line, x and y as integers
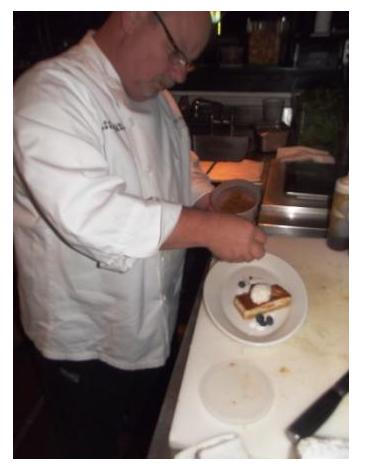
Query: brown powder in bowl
{"type": "Point", "coordinates": [237, 202]}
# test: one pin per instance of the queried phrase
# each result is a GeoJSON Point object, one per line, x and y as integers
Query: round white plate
{"type": "Point", "coordinates": [222, 284]}
{"type": "Point", "coordinates": [236, 392]}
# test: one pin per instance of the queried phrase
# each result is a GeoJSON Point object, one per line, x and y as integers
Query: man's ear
{"type": "Point", "coordinates": [130, 20]}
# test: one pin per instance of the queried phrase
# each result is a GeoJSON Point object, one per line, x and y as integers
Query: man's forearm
{"type": "Point", "coordinates": [190, 231]}
{"type": "Point", "coordinates": [229, 237]}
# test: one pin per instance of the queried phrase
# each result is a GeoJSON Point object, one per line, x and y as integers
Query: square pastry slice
{"type": "Point", "coordinates": [279, 298]}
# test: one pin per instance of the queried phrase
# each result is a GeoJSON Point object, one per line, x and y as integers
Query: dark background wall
{"type": "Point", "coordinates": [38, 35]}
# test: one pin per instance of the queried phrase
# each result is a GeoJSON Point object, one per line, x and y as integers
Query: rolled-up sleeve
{"type": "Point", "coordinates": [201, 184]}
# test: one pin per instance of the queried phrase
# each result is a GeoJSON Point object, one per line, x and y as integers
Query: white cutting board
{"type": "Point", "coordinates": [300, 368]}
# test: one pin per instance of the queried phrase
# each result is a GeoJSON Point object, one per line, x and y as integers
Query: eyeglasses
{"type": "Point", "coordinates": [177, 56]}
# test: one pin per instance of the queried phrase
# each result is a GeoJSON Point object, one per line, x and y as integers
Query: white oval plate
{"type": "Point", "coordinates": [222, 284]}
{"type": "Point", "coordinates": [236, 392]}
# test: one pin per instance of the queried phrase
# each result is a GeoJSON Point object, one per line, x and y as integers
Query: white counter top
{"type": "Point", "coordinates": [301, 368]}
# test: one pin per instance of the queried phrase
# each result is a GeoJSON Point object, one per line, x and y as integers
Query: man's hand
{"type": "Point", "coordinates": [236, 239]}
{"type": "Point", "coordinates": [204, 203]}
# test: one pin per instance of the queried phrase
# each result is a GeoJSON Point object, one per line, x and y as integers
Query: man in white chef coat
{"type": "Point", "coordinates": [107, 198]}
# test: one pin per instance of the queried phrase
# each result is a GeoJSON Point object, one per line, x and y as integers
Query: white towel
{"type": "Point", "coordinates": [323, 448]}
{"type": "Point", "coordinates": [225, 446]}
{"type": "Point", "coordinates": [230, 446]}
{"type": "Point", "coordinates": [302, 153]}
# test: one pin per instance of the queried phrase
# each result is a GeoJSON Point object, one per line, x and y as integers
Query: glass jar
{"type": "Point", "coordinates": [264, 40]}
{"type": "Point", "coordinates": [338, 229]}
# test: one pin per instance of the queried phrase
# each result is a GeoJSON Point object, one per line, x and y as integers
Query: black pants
{"type": "Point", "coordinates": [92, 403]}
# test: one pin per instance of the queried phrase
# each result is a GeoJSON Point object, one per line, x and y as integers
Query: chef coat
{"type": "Point", "coordinates": [100, 182]}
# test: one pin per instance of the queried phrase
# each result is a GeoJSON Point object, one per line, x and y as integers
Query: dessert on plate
{"type": "Point", "coordinates": [261, 298]}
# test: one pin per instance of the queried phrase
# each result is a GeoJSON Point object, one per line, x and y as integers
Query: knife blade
{"type": "Point", "coordinates": [319, 411]}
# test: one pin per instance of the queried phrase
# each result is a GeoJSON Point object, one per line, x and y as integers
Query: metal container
{"type": "Point", "coordinates": [270, 139]}
{"type": "Point", "coordinates": [220, 148]}
{"type": "Point", "coordinates": [281, 213]}
{"type": "Point", "coordinates": [238, 197]}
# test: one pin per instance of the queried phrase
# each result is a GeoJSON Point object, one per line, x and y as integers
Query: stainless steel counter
{"type": "Point", "coordinates": [291, 215]}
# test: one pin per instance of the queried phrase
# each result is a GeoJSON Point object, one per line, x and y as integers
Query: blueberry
{"type": "Point", "coordinates": [242, 284]}
{"type": "Point", "coordinates": [261, 320]}
{"type": "Point", "coordinates": [269, 320]}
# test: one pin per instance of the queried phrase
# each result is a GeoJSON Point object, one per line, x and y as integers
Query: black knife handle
{"type": "Point", "coordinates": [314, 417]}
{"type": "Point", "coordinates": [318, 413]}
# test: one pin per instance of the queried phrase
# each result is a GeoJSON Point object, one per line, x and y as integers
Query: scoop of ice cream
{"type": "Point", "coordinates": [260, 293]}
